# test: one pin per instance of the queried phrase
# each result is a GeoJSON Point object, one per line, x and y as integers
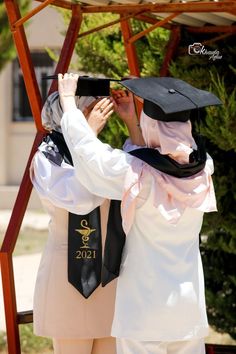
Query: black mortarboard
{"type": "Point", "coordinates": [93, 86]}
{"type": "Point", "coordinates": [169, 99]}
{"type": "Point", "coordinates": [90, 86]}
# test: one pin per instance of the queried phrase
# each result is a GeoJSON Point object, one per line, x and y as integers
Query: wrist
{"type": "Point", "coordinates": [67, 94]}
{"type": "Point", "coordinates": [68, 103]}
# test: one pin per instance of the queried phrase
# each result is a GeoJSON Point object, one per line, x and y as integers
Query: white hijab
{"type": "Point", "coordinates": [171, 195]}
{"type": "Point", "coordinates": [52, 111]}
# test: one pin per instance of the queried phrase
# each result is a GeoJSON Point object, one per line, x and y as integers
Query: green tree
{"type": "Point", "coordinates": [7, 48]}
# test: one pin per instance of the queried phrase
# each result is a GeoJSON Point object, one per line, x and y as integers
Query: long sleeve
{"type": "Point", "coordinates": [60, 186]}
{"type": "Point", "coordinates": [101, 169]}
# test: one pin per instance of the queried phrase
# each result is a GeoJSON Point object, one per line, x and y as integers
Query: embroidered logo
{"type": "Point", "coordinates": [85, 232]}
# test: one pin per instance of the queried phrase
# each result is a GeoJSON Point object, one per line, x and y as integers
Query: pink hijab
{"type": "Point", "coordinates": [171, 195]}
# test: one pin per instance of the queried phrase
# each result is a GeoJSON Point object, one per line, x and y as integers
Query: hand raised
{"type": "Point", "coordinates": [99, 114]}
{"type": "Point", "coordinates": [124, 105]}
{"type": "Point", "coordinates": [67, 85]}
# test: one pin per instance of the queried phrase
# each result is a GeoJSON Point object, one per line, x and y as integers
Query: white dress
{"type": "Point", "coordinates": [59, 310]}
{"type": "Point", "coordinates": [160, 290]}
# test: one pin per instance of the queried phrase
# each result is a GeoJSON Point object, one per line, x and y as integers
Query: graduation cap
{"type": "Point", "coordinates": [90, 86]}
{"type": "Point", "coordinates": [169, 99]}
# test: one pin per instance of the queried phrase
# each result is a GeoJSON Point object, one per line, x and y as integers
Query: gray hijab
{"type": "Point", "coordinates": [52, 111]}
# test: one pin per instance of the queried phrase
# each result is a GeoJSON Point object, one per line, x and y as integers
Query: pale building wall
{"type": "Point", "coordinates": [16, 138]}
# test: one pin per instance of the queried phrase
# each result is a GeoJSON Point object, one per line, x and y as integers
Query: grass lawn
{"type": "Point", "coordinates": [30, 344]}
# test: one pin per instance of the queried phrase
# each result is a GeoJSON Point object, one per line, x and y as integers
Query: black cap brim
{"type": "Point", "coordinates": [93, 86]}
{"type": "Point", "coordinates": [170, 97]}
{"type": "Point", "coordinates": [90, 86]}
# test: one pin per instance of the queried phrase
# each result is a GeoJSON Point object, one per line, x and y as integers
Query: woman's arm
{"type": "Point", "coordinates": [101, 169]}
{"type": "Point", "coordinates": [60, 186]}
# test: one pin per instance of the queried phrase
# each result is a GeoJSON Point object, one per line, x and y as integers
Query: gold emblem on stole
{"type": "Point", "coordinates": [85, 232]}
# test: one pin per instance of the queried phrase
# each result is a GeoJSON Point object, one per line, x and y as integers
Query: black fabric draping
{"type": "Point", "coordinates": [84, 231]}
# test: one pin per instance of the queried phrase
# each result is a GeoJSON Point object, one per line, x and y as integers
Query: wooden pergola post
{"type": "Point", "coordinates": [131, 55]}
{"type": "Point", "coordinates": [13, 318]}
{"type": "Point", "coordinates": [170, 50]}
{"type": "Point", "coordinates": [68, 45]}
{"type": "Point", "coordinates": [129, 48]}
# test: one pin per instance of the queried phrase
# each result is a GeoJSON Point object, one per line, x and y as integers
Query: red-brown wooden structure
{"type": "Point", "coordinates": [196, 15]}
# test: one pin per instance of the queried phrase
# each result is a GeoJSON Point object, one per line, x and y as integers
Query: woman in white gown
{"type": "Point", "coordinates": [76, 325]}
{"type": "Point", "coordinates": [160, 302]}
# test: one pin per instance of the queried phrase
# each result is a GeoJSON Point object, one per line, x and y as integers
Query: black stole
{"type": "Point", "coordinates": [85, 271]}
{"type": "Point", "coordinates": [84, 231]}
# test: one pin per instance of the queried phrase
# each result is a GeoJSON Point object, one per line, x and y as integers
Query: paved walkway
{"type": "Point", "coordinates": [25, 266]}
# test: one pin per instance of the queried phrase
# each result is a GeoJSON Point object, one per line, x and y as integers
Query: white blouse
{"type": "Point", "coordinates": [60, 311]}
{"type": "Point", "coordinates": [60, 186]}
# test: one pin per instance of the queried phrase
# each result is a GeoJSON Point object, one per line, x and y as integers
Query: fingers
{"type": "Point", "coordinates": [67, 76]}
{"type": "Point", "coordinates": [67, 84]}
{"type": "Point", "coordinates": [100, 114]}
{"type": "Point", "coordinates": [104, 105]}
{"type": "Point", "coordinates": [108, 109]}
{"type": "Point", "coordinates": [107, 115]}
{"type": "Point", "coordinates": [120, 94]}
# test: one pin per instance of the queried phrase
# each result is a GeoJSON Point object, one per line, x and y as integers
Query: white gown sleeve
{"type": "Point", "coordinates": [101, 169]}
{"type": "Point", "coordinates": [60, 186]}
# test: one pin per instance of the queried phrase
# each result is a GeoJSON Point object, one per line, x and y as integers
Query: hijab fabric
{"type": "Point", "coordinates": [52, 111]}
{"type": "Point", "coordinates": [171, 195]}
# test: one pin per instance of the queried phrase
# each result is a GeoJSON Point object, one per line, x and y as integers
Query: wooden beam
{"type": "Point", "coordinates": [156, 25]}
{"type": "Point", "coordinates": [129, 48]}
{"type": "Point", "coordinates": [24, 317]}
{"type": "Point", "coordinates": [9, 297]}
{"type": "Point", "coordinates": [8, 283]}
{"type": "Point", "coordinates": [96, 29]}
{"type": "Point", "coordinates": [61, 3]}
{"type": "Point", "coordinates": [170, 50]}
{"type": "Point", "coordinates": [68, 45]}
{"type": "Point", "coordinates": [152, 20]}
{"type": "Point", "coordinates": [212, 29]}
{"type": "Point", "coordinates": [208, 6]}
{"type": "Point", "coordinates": [33, 12]}
{"type": "Point", "coordinates": [131, 57]}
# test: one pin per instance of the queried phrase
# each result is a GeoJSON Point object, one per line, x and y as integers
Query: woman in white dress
{"type": "Point", "coordinates": [160, 302]}
{"type": "Point", "coordinates": [76, 325]}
